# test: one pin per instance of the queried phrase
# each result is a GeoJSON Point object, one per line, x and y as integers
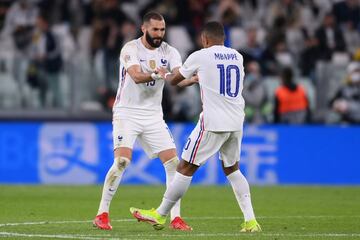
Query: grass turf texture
{"type": "Point", "coordinates": [284, 212]}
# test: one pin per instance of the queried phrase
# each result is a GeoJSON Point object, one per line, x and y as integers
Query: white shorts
{"type": "Point", "coordinates": [153, 135]}
{"type": "Point", "coordinates": [202, 144]}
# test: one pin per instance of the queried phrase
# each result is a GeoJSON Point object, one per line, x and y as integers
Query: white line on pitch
{"type": "Point", "coordinates": [63, 236]}
{"type": "Point", "coordinates": [188, 235]}
{"type": "Point", "coordinates": [190, 218]}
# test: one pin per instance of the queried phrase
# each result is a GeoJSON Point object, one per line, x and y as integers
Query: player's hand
{"type": "Point", "coordinates": [158, 74]}
{"type": "Point", "coordinates": [161, 71]}
{"type": "Point", "coordinates": [194, 79]}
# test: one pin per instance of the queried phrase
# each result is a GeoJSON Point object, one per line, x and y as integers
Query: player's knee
{"type": "Point", "coordinates": [231, 169]}
{"type": "Point", "coordinates": [121, 163]}
{"type": "Point", "coordinates": [186, 168]}
{"type": "Point", "coordinates": [172, 163]}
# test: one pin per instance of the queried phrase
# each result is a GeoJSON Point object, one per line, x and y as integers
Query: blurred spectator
{"type": "Point", "coordinates": [4, 6]}
{"type": "Point", "coordinates": [312, 14]}
{"type": "Point", "coordinates": [277, 33]}
{"type": "Point", "coordinates": [253, 50]}
{"type": "Point", "coordinates": [276, 56]}
{"type": "Point", "coordinates": [128, 30]}
{"type": "Point", "coordinates": [19, 24]}
{"type": "Point", "coordinates": [276, 52]}
{"type": "Point", "coordinates": [254, 93]}
{"type": "Point", "coordinates": [347, 100]}
{"type": "Point", "coordinates": [19, 19]}
{"type": "Point", "coordinates": [309, 55]}
{"type": "Point", "coordinates": [299, 33]}
{"type": "Point", "coordinates": [228, 12]}
{"type": "Point", "coordinates": [108, 38]}
{"type": "Point", "coordinates": [289, 10]}
{"type": "Point", "coordinates": [196, 15]}
{"type": "Point", "coordinates": [330, 38]}
{"type": "Point", "coordinates": [352, 37]}
{"type": "Point", "coordinates": [291, 103]}
{"type": "Point", "coordinates": [172, 10]}
{"type": "Point", "coordinates": [46, 63]}
{"type": "Point", "coordinates": [347, 12]}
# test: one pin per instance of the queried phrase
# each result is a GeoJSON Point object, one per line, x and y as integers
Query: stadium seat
{"type": "Point", "coordinates": [310, 91]}
{"type": "Point", "coordinates": [271, 83]}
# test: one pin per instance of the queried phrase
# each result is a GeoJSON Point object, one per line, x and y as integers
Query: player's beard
{"type": "Point", "coordinates": [151, 41]}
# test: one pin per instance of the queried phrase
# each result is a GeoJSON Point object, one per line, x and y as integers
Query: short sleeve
{"type": "Point", "coordinates": [190, 65]}
{"type": "Point", "coordinates": [175, 58]}
{"type": "Point", "coordinates": [128, 55]}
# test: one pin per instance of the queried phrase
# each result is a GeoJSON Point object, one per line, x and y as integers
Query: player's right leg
{"type": "Point", "coordinates": [124, 135]}
{"type": "Point", "coordinates": [112, 180]}
{"type": "Point", "coordinates": [230, 156]}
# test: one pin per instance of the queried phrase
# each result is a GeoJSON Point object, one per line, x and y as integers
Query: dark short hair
{"type": "Point", "coordinates": [214, 30]}
{"type": "Point", "coordinates": [152, 15]}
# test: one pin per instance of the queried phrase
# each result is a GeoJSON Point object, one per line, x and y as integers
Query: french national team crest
{"type": "Point", "coordinates": [164, 62]}
{"type": "Point", "coordinates": [152, 64]}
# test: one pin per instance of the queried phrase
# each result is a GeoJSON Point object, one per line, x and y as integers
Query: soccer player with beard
{"type": "Point", "coordinates": [137, 112]}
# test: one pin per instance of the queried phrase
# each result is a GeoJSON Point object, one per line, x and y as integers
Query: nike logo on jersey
{"type": "Point", "coordinates": [142, 60]}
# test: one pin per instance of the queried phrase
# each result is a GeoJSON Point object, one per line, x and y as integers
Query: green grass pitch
{"type": "Point", "coordinates": [284, 212]}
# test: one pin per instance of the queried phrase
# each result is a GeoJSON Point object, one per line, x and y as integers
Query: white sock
{"type": "Point", "coordinates": [112, 180]}
{"type": "Point", "coordinates": [170, 170]}
{"type": "Point", "coordinates": [174, 192]}
{"type": "Point", "coordinates": [242, 193]}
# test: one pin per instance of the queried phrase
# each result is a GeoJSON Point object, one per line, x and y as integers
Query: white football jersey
{"type": "Point", "coordinates": [142, 100]}
{"type": "Point", "coordinates": [221, 74]}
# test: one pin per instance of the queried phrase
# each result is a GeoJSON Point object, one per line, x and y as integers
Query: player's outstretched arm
{"type": "Point", "coordinates": [188, 81]}
{"type": "Point", "coordinates": [174, 77]}
{"type": "Point", "coordinates": [140, 77]}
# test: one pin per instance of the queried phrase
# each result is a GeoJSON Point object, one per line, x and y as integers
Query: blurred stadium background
{"type": "Point", "coordinates": [55, 102]}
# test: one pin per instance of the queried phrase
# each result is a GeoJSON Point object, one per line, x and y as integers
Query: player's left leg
{"type": "Point", "coordinates": [124, 134]}
{"type": "Point", "coordinates": [157, 141]}
{"type": "Point", "coordinates": [170, 162]}
{"type": "Point", "coordinates": [113, 177]}
{"type": "Point", "coordinates": [230, 154]}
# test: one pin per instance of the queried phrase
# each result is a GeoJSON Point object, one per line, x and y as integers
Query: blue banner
{"type": "Point", "coordinates": [81, 153]}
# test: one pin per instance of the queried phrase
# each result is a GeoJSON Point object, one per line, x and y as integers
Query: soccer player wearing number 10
{"type": "Point", "coordinates": [220, 71]}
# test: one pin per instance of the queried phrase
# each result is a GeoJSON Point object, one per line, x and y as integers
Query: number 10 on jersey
{"type": "Point", "coordinates": [226, 80]}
